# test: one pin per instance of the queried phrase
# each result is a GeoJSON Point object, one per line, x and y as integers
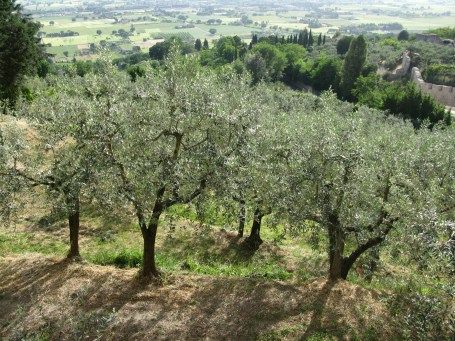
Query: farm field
{"type": "Point", "coordinates": [146, 24]}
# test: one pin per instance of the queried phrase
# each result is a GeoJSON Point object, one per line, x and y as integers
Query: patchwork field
{"type": "Point", "coordinates": [144, 25]}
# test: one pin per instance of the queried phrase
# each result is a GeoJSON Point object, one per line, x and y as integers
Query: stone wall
{"type": "Point", "coordinates": [442, 93]}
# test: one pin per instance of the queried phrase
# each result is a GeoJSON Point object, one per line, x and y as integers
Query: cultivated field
{"type": "Point", "coordinates": [147, 24]}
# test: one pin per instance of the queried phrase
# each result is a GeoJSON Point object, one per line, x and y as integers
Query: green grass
{"type": "Point", "coordinates": [185, 250]}
{"type": "Point", "coordinates": [186, 247]}
{"type": "Point", "coordinates": [22, 242]}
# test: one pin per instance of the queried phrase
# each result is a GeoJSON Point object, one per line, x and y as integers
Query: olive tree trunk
{"type": "Point", "coordinates": [255, 235]}
{"type": "Point", "coordinates": [242, 217]}
{"type": "Point", "coordinates": [149, 268]}
{"type": "Point", "coordinates": [339, 266]}
{"type": "Point", "coordinates": [74, 226]}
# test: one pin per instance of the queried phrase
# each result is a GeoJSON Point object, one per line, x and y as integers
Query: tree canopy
{"type": "Point", "coordinates": [20, 50]}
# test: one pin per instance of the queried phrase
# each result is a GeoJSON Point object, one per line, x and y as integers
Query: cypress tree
{"type": "Point", "coordinates": [323, 40]}
{"type": "Point", "coordinates": [305, 38]}
{"type": "Point", "coordinates": [310, 39]}
{"type": "Point", "coordinates": [206, 44]}
{"type": "Point", "coordinates": [198, 45]}
{"type": "Point", "coordinates": [320, 39]}
{"type": "Point", "coordinates": [300, 38]}
{"type": "Point", "coordinates": [352, 67]}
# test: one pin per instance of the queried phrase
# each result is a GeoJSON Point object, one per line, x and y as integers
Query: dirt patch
{"type": "Point", "coordinates": [62, 300]}
{"type": "Point", "coordinates": [149, 43]}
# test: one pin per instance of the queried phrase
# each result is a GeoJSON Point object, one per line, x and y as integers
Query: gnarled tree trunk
{"type": "Point", "coordinates": [149, 268]}
{"type": "Point", "coordinates": [339, 265]}
{"type": "Point", "coordinates": [336, 248]}
{"type": "Point", "coordinates": [74, 226]}
{"type": "Point", "coordinates": [255, 235]}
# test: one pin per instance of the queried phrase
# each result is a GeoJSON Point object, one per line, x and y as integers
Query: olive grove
{"type": "Point", "coordinates": [183, 132]}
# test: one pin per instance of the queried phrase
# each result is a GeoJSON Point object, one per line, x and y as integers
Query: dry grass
{"type": "Point", "coordinates": [47, 298]}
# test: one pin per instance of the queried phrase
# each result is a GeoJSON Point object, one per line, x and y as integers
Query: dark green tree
{"type": "Point", "coordinates": [160, 50]}
{"type": "Point", "coordinates": [352, 67]}
{"type": "Point", "coordinates": [295, 56]}
{"type": "Point", "coordinates": [411, 104]}
{"type": "Point", "coordinates": [403, 35]}
{"type": "Point", "coordinates": [275, 60]}
{"type": "Point", "coordinates": [135, 71]}
{"type": "Point", "coordinates": [257, 66]}
{"type": "Point", "coordinates": [43, 68]}
{"type": "Point", "coordinates": [320, 39]}
{"type": "Point", "coordinates": [20, 50]}
{"type": "Point", "coordinates": [198, 45]}
{"type": "Point", "coordinates": [326, 74]}
{"type": "Point", "coordinates": [305, 38]}
{"type": "Point", "coordinates": [205, 45]}
{"type": "Point", "coordinates": [228, 49]}
{"type": "Point", "coordinates": [83, 67]}
{"type": "Point", "coordinates": [323, 40]}
{"type": "Point", "coordinates": [310, 39]}
{"type": "Point", "coordinates": [300, 38]}
{"type": "Point", "coordinates": [343, 44]}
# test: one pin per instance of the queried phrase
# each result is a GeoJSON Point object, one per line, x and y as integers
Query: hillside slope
{"type": "Point", "coordinates": [46, 298]}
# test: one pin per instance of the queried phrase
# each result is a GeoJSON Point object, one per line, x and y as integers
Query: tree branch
{"type": "Point", "coordinates": [179, 200]}
{"type": "Point", "coordinates": [371, 242]}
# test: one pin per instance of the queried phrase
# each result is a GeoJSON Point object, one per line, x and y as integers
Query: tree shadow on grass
{"type": "Point", "coordinates": [222, 246]}
{"type": "Point", "coordinates": [93, 301]}
{"type": "Point", "coordinates": [319, 305]}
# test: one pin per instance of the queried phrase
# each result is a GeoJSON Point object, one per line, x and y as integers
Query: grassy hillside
{"type": "Point", "coordinates": [45, 298]}
{"type": "Point", "coordinates": [213, 287]}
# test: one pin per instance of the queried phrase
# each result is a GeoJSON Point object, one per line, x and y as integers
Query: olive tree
{"type": "Point", "coordinates": [9, 144]}
{"type": "Point", "coordinates": [247, 183]}
{"type": "Point", "coordinates": [351, 172]}
{"type": "Point", "coordinates": [166, 138]}
{"type": "Point", "coordinates": [46, 147]}
{"type": "Point", "coordinates": [264, 155]}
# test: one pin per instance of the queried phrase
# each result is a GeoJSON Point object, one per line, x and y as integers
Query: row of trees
{"type": "Point", "coordinates": [349, 76]}
{"type": "Point", "coordinates": [304, 38]}
{"type": "Point", "coordinates": [183, 132]}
